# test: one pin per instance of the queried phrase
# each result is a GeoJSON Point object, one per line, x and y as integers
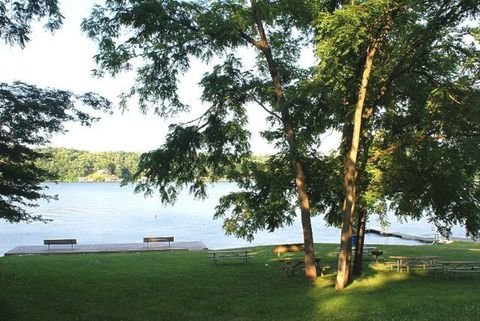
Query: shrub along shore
{"type": "Point", "coordinates": [188, 286]}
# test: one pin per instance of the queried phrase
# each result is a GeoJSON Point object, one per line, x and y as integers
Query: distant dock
{"type": "Point", "coordinates": [404, 236]}
{"type": "Point", "coordinates": [105, 248]}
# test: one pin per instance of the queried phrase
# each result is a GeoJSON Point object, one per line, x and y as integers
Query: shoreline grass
{"type": "Point", "coordinates": [187, 286]}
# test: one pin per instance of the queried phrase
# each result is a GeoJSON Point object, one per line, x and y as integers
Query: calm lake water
{"type": "Point", "coordinates": [108, 213]}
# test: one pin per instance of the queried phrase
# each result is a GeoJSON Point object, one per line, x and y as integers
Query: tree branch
{"type": "Point", "coordinates": [250, 39]}
{"type": "Point", "coordinates": [265, 108]}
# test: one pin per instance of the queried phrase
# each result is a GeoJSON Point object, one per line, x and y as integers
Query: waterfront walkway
{"type": "Point", "coordinates": [105, 248]}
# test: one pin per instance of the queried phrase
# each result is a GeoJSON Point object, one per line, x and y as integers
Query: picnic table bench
{"type": "Point", "coordinates": [295, 263]}
{"type": "Point", "coordinates": [60, 242]}
{"type": "Point", "coordinates": [155, 239]}
{"type": "Point", "coordinates": [458, 266]}
{"type": "Point", "coordinates": [217, 255]}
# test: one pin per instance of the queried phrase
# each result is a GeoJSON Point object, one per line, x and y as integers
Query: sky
{"type": "Point", "coordinates": [64, 60]}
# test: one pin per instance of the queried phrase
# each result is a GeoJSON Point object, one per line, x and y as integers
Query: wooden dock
{"type": "Point", "coordinates": [404, 236]}
{"type": "Point", "coordinates": [105, 248]}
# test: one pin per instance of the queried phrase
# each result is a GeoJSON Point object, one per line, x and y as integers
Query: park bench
{"type": "Point", "coordinates": [294, 263]}
{"type": "Point", "coordinates": [242, 254]}
{"type": "Point", "coordinates": [155, 239]}
{"type": "Point", "coordinates": [60, 242]}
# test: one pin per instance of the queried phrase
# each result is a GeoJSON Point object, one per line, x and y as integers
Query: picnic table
{"type": "Point", "coordinates": [408, 262]}
{"type": "Point", "coordinates": [293, 263]}
{"type": "Point", "coordinates": [459, 266]}
{"type": "Point", "coordinates": [368, 251]}
{"type": "Point", "coordinates": [218, 255]}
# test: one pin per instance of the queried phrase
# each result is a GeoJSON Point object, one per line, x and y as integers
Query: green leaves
{"type": "Point", "coordinates": [28, 117]}
{"type": "Point", "coordinates": [16, 17]}
{"type": "Point", "coordinates": [193, 154]}
{"type": "Point", "coordinates": [159, 39]}
{"type": "Point", "coordinates": [430, 155]}
{"type": "Point", "coordinates": [163, 36]}
{"type": "Point", "coordinates": [265, 202]}
{"type": "Point", "coordinates": [415, 75]}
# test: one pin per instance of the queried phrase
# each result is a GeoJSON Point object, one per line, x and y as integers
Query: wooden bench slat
{"type": "Point", "coordinates": [284, 248]}
{"type": "Point", "coordinates": [60, 241]}
{"type": "Point", "coordinates": [158, 239]}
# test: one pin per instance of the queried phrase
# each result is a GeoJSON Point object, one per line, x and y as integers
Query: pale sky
{"type": "Point", "coordinates": [64, 60]}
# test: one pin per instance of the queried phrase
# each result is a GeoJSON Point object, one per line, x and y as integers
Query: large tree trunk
{"type": "Point", "coordinates": [344, 258]}
{"type": "Point", "coordinates": [358, 259]}
{"type": "Point", "coordinates": [310, 268]}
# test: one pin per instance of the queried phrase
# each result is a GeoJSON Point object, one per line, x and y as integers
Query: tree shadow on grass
{"type": "Point", "coordinates": [6, 314]}
{"type": "Point", "coordinates": [389, 295]}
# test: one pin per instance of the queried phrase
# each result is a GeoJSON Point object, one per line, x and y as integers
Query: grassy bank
{"type": "Point", "coordinates": [187, 286]}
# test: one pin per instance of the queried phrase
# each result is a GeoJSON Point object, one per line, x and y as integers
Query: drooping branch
{"type": "Point", "coordinates": [266, 109]}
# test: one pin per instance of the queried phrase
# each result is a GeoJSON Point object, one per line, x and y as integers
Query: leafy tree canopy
{"type": "Point", "coordinates": [28, 117]}
{"type": "Point", "coordinates": [423, 68]}
{"type": "Point", "coordinates": [16, 17]}
{"type": "Point", "coordinates": [160, 39]}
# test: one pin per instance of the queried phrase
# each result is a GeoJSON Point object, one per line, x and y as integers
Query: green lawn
{"type": "Point", "coordinates": [187, 286]}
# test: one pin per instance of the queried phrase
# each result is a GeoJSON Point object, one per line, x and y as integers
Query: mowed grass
{"type": "Point", "coordinates": [187, 286]}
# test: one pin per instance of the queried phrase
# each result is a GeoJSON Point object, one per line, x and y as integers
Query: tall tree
{"type": "Point", "coordinates": [372, 21]}
{"type": "Point", "coordinates": [376, 39]}
{"type": "Point", "coordinates": [30, 115]}
{"type": "Point", "coordinates": [415, 35]}
{"type": "Point", "coordinates": [167, 35]}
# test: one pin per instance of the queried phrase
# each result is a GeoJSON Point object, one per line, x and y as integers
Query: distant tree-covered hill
{"type": "Point", "coordinates": [71, 165]}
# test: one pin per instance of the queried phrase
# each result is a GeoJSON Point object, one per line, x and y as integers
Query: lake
{"type": "Point", "coordinates": [108, 213]}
